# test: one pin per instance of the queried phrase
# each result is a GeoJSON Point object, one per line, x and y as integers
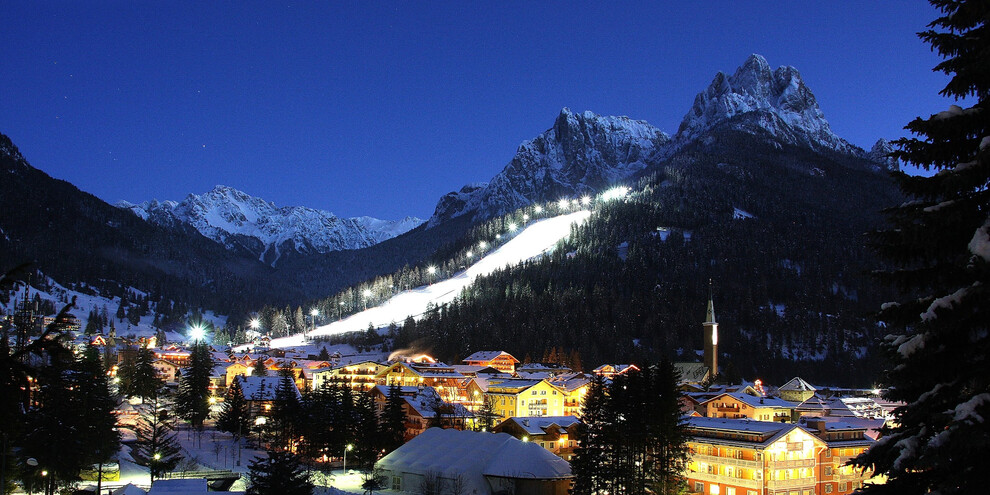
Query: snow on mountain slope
{"type": "Point", "coordinates": [236, 219]}
{"type": "Point", "coordinates": [536, 239]}
{"type": "Point", "coordinates": [581, 154]}
{"type": "Point", "coordinates": [92, 300]}
{"type": "Point", "coordinates": [755, 98]}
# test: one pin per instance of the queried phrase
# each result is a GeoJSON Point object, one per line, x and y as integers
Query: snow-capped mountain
{"type": "Point", "coordinates": [756, 99]}
{"type": "Point", "coordinates": [581, 153]}
{"type": "Point", "coordinates": [239, 220]}
{"type": "Point", "coordinates": [880, 154]}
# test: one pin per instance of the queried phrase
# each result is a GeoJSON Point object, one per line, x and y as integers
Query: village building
{"type": "Point", "coordinates": [746, 457]}
{"type": "Point", "coordinates": [574, 386]}
{"type": "Point", "coordinates": [557, 434]}
{"type": "Point", "coordinates": [739, 405]}
{"type": "Point", "coordinates": [474, 462]}
{"type": "Point", "coordinates": [609, 371]}
{"type": "Point", "coordinates": [440, 376]}
{"type": "Point", "coordinates": [423, 408]}
{"type": "Point", "coordinates": [844, 441]}
{"type": "Point", "coordinates": [500, 360]}
{"type": "Point", "coordinates": [523, 397]}
{"type": "Point", "coordinates": [796, 390]}
{"type": "Point", "coordinates": [359, 375]}
{"type": "Point", "coordinates": [168, 371]}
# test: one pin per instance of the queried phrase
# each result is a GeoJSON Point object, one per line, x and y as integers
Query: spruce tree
{"type": "Point", "coordinates": [393, 420]}
{"type": "Point", "coordinates": [938, 246]}
{"type": "Point", "coordinates": [259, 367]}
{"type": "Point", "coordinates": [592, 462]}
{"type": "Point", "coordinates": [234, 415]}
{"type": "Point", "coordinates": [286, 409]}
{"type": "Point", "coordinates": [156, 446]}
{"type": "Point", "coordinates": [192, 402]}
{"type": "Point", "coordinates": [97, 420]}
{"type": "Point", "coordinates": [279, 473]}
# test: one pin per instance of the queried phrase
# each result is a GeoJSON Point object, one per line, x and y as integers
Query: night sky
{"type": "Point", "coordinates": [379, 110]}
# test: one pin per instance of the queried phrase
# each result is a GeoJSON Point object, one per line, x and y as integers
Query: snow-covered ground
{"type": "Point", "coordinates": [85, 303]}
{"type": "Point", "coordinates": [537, 238]}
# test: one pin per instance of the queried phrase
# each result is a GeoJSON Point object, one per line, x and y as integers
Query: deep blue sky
{"type": "Point", "coordinates": [379, 110]}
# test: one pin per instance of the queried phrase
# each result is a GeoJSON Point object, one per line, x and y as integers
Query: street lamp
{"type": "Point", "coordinates": [197, 332]}
{"type": "Point", "coordinates": [432, 270]}
{"type": "Point", "coordinates": [314, 313]}
{"type": "Point", "coordinates": [349, 447]}
{"type": "Point", "coordinates": [255, 324]}
{"type": "Point", "coordinates": [367, 295]}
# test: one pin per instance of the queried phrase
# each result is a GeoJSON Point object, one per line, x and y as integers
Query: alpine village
{"type": "Point", "coordinates": [750, 306]}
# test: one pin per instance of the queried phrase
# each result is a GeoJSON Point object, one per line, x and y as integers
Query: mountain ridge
{"type": "Point", "coordinates": [236, 219]}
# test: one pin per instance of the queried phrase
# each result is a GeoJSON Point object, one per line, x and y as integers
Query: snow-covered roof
{"type": "Point", "coordinates": [471, 370]}
{"type": "Point", "coordinates": [179, 486]}
{"type": "Point", "coordinates": [692, 372]}
{"type": "Point", "coordinates": [487, 356]}
{"type": "Point", "coordinates": [474, 455]}
{"type": "Point", "coordinates": [539, 425]}
{"type": "Point", "coordinates": [129, 489]}
{"type": "Point", "coordinates": [797, 384]}
{"type": "Point", "coordinates": [260, 387]}
{"type": "Point", "coordinates": [513, 385]}
{"type": "Point", "coordinates": [756, 401]}
{"type": "Point", "coordinates": [767, 431]}
{"type": "Point", "coordinates": [571, 381]}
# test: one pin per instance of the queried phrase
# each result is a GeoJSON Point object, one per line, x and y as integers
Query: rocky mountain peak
{"type": "Point", "coordinates": [758, 99]}
{"type": "Point", "coordinates": [880, 153]}
{"type": "Point", "coordinates": [581, 153]}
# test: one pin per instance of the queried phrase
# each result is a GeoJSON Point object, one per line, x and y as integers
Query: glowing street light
{"type": "Point", "coordinates": [367, 295]}
{"type": "Point", "coordinates": [498, 236]}
{"type": "Point", "coordinates": [313, 314]}
{"type": "Point", "coordinates": [526, 216]}
{"type": "Point", "coordinates": [470, 254]}
{"type": "Point", "coordinates": [197, 332]}
{"type": "Point", "coordinates": [614, 193]}
{"type": "Point", "coordinates": [563, 204]}
{"type": "Point", "coordinates": [349, 447]}
{"type": "Point", "coordinates": [254, 324]}
{"type": "Point", "coordinates": [585, 200]}
{"type": "Point", "coordinates": [538, 209]}
{"type": "Point", "coordinates": [513, 227]}
{"type": "Point", "coordinates": [431, 269]}
{"type": "Point", "coordinates": [482, 245]}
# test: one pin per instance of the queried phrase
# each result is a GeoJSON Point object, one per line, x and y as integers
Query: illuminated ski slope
{"type": "Point", "coordinates": [534, 240]}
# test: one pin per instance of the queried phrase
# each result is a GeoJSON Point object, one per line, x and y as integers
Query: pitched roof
{"type": "Point", "coordinates": [797, 384]}
{"type": "Point", "coordinates": [488, 356]}
{"type": "Point", "coordinates": [540, 425]}
{"type": "Point", "coordinates": [692, 372]}
{"type": "Point", "coordinates": [759, 432]}
{"type": "Point", "coordinates": [473, 456]}
{"type": "Point", "coordinates": [752, 401]}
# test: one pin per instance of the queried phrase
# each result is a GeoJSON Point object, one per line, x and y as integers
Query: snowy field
{"type": "Point", "coordinates": [536, 239]}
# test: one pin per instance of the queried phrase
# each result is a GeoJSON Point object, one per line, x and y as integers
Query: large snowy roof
{"type": "Point", "coordinates": [474, 455]}
{"type": "Point", "coordinates": [129, 489]}
{"type": "Point", "coordinates": [767, 431]}
{"type": "Point", "coordinates": [179, 486]}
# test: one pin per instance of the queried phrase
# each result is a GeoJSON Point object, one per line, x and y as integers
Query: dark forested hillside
{"type": "Point", "coordinates": [75, 237]}
{"type": "Point", "coordinates": [791, 288]}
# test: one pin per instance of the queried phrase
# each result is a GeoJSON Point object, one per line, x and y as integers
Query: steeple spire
{"type": "Point", "coordinates": [710, 335]}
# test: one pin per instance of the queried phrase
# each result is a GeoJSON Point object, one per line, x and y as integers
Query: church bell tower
{"type": "Point", "coordinates": [710, 337]}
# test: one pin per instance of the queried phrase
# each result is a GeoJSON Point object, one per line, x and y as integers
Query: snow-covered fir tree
{"type": "Point", "coordinates": [939, 248]}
